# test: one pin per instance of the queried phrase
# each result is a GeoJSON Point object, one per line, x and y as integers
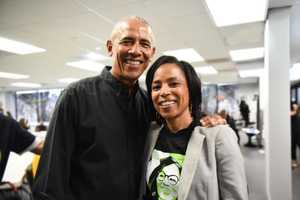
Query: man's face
{"type": "Point", "coordinates": [131, 50]}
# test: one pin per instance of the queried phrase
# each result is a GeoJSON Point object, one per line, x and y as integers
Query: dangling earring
{"type": "Point", "coordinates": [191, 107]}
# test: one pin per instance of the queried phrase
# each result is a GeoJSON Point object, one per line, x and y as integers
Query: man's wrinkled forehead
{"type": "Point", "coordinates": [142, 29]}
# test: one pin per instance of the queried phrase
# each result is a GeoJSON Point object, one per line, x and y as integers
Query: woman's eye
{"type": "Point", "coordinates": [173, 84]}
{"type": "Point", "coordinates": [155, 87]}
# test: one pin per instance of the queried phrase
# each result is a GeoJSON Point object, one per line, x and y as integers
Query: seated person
{"type": "Point", "coordinates": [16, 139]}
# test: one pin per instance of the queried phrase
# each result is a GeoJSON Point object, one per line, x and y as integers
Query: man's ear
{"type": "Point", "coordinates": [109, 46]}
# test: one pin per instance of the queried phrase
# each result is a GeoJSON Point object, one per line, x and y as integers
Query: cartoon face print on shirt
{"type": "Point", "coordinates": [164, 174]}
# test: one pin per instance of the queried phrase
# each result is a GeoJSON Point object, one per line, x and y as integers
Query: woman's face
{"type": "Point", "coordinates": [170, 93]}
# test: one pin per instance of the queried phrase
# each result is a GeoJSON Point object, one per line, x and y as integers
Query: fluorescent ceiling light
{"type": "Point", "coordinates": [27, 92]}
{"type": "Point", "coordinates": [67, 80]}
{"type": "Point", "coordinates": [232, 12]}
{"type": "Point", "coordinates": [13, 76]}
{"type": "Point", "coordinates": [189, 55]}
{"type": "Point", "coordinates": [13, 46]}
{"type": "Point", "coordinates": [96, 56]}
{"type": "Point", "coordinates": [247, 54]}
{"type": "Point", "coordinates": [87, 65]}
{"type": "Point", "coordinates": [26, 85]}
{"type": "Point", "coordinates": [295, 72]}
{"type": "Point", "coordinates": [206, 70]}
{"type": "Point", "coordinates": [251, 73]}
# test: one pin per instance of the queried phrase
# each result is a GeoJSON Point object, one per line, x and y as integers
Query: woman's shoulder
{"type": "Point", "coordinates": [215, 131]}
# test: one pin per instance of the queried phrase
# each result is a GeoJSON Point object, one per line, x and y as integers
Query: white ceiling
{"type": "Point", "coordinates": [68, 29]}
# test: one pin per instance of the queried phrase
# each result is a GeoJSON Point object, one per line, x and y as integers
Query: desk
{"type": "Point", "coordinates": [250, 132]}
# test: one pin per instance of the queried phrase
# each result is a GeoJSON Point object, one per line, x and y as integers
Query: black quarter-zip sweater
{"type": "Point", "coordinates": [95, 142]}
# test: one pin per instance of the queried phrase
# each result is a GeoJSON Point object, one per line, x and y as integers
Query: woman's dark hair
{"type": "Point", "coordinates": [193, 82]}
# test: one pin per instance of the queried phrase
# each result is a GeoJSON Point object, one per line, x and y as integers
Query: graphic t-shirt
{"type": "Point", "coordinates": [165, 165]}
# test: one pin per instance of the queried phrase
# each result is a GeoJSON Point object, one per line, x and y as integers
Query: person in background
{"type": "Point", "coordinates": [244, 109]}
{"type": "Point", "coordinates": [295, 133]}
{"type": "Point", "coordinates": [24, 123]}
{"type": "Point", "coordinates": [16, 139]}
{"type": "Point", "coordinates": [8, 114]}
{"type": "Point", "coordinates": [185, 160]}
{"type": "Point", "coordinates": [40, 127]}
{"type": "Point", "coordinates": [230, 121]}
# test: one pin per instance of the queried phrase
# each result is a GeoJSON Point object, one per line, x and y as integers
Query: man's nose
{"type": "Point", "coordinates": [135, 48]}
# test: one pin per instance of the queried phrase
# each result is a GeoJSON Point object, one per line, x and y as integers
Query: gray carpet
{"type": "Point", "coordinates": [255, 170]}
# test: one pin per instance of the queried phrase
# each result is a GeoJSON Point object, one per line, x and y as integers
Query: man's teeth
{"type": "Point", "coordinates": [133, 62]}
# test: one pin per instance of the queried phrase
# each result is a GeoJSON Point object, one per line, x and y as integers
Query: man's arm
{"type": "Point", "coordinates": [52, 180]}
{"type": "Point", "coordinates": [212, 120]}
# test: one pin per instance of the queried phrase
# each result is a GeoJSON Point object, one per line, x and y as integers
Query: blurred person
{"type": "Point", "coordinates": [295, 133]}
{"type": "Point", "coordinates": [40, 126]}
{"type": "Point", "coordinates": [16, 139]}
{"type": "Point", "coordinates": [185, 160]}
{"type": "Point", "coordinates": [8, 114]}
{"type": "Point", "coordinates": [24, 123]}
{"type": "Point", "coordinates": [244, 109]}
{"type": "Point", "coordinates": [231, 122]}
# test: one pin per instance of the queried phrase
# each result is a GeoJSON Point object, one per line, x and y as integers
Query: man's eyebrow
{"type": "Point", "coordinates": [127, 38]}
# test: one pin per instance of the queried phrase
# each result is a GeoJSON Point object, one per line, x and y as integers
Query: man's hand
{"type": "Point", "coordinates": [212, 120]}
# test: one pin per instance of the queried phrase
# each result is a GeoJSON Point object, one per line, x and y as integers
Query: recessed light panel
{"type": "Point", "coordinates": [247, 54]}
{"type": "Point", "coordinates": [251, 73]}
{"type": "Point", "coordinates": [87, 65]}
{"type": "Point", "coordinates": [26, 85]}
{"type": "Point", "coordinates": [231, 12]}
{"type": "Point", "coordinates": [13, 46]}
{"type": "Point", "coordinates": [206, 70]}
{"type": "Point", "coordinates": [189, 55]}
{"type": "Point", "coordinates": [67, 80]}
{"type": "Point", "coordinates": [12, 75]}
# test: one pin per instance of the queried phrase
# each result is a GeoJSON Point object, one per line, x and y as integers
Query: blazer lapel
{"type": "Point", "coordinates": [190, 163]}
{"type": "Point", "coordinates": [152, 138]}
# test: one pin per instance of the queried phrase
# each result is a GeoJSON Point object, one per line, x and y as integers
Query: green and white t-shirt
{"type": "Point", "coordinates": [166, 162]}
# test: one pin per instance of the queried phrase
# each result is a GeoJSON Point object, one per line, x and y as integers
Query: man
{"type": "Point", "coordinates": [95, 142]}
{"type": "Point", "coordinates": [14, 138]}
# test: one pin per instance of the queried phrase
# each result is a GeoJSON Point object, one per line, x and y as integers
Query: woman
{"type": "Point", "coordinates": [186, 161]}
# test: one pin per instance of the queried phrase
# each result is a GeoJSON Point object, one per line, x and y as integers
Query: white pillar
{"type": "Point", "coordinates": [276, 115]}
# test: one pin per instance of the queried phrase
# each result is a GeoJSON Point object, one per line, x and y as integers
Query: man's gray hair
{"type": "Point", "coordinates": [128, 18]}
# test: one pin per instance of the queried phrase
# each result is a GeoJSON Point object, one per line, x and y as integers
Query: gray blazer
{"type": "Point", "coordinates": [213, 168]}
